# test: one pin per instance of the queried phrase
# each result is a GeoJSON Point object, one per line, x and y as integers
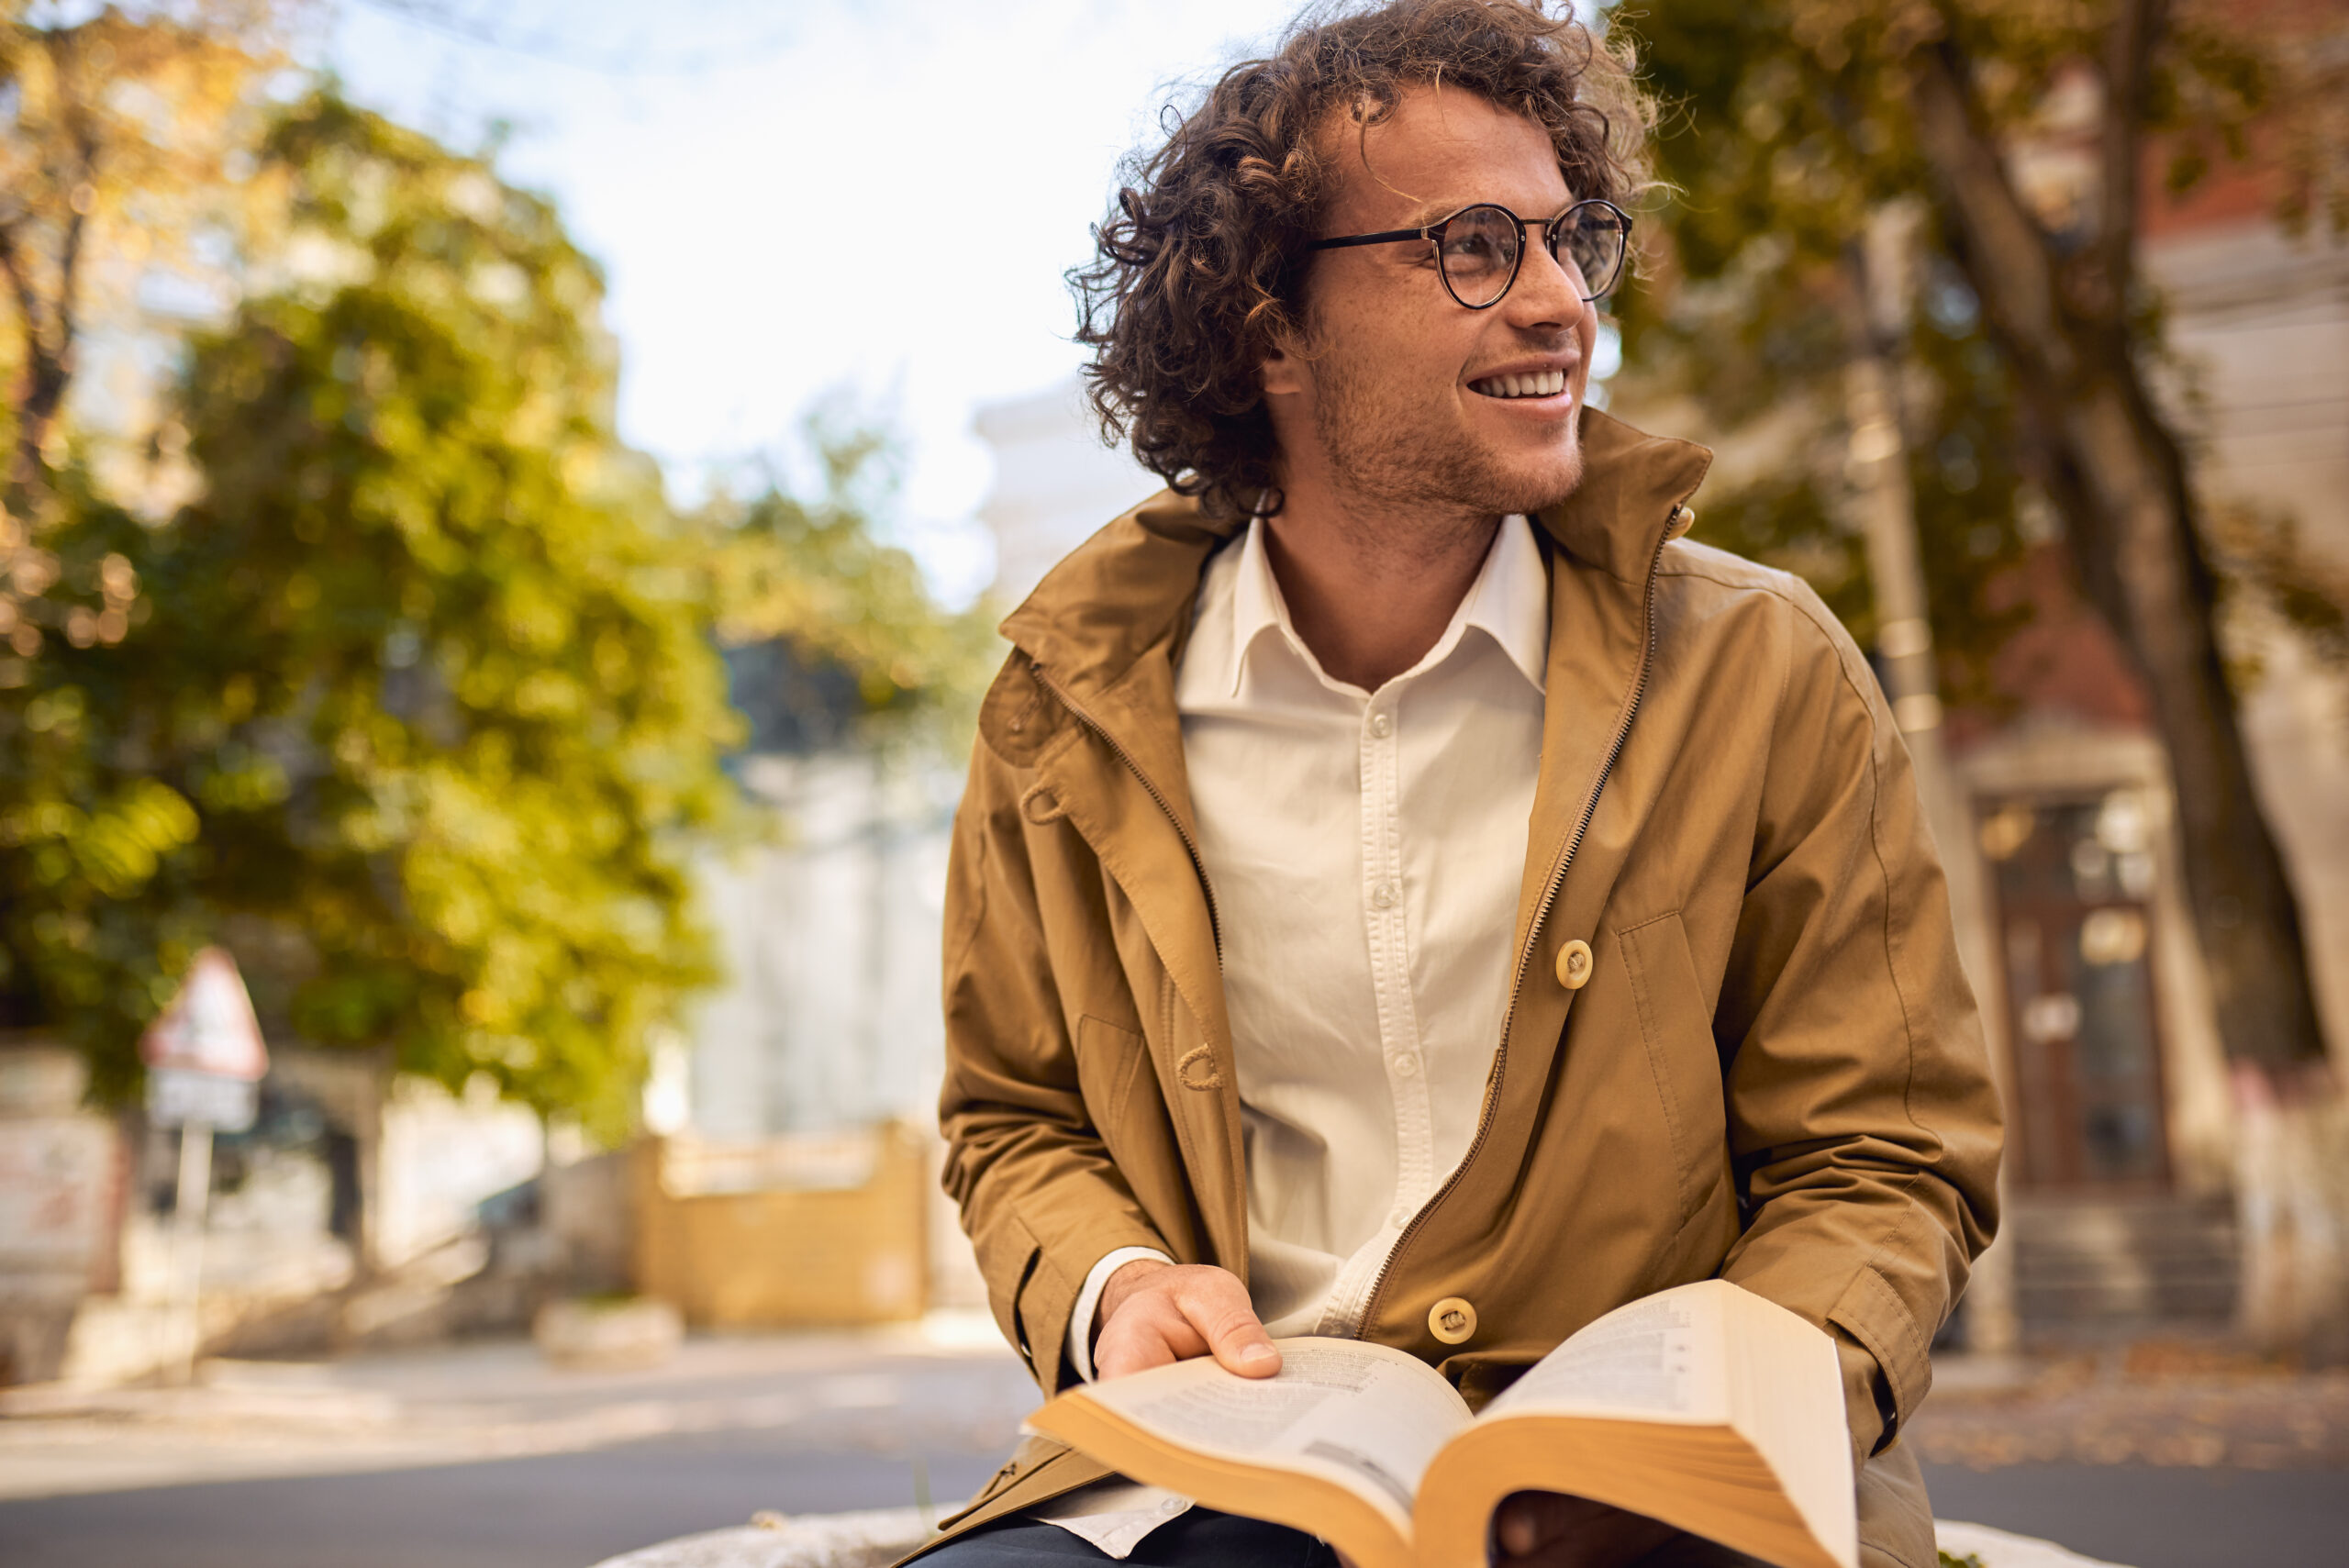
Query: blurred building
{"type": "Point", "coordinates": [804, 1090]}
{"type": "Point", "coordinates": [1055, 484]}
{"type": "Point", "coordinates": [793, 1178]}
{"type": "Point", "coordinates": [349, 1214]}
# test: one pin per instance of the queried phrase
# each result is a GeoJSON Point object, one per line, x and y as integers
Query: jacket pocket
{"type": "Point", "coordinates": [1109, 1060]}
{"type": "Point", "coordinates": [1676, 1025]}
{"type": "Point", "coordinates": [1032, 1454]}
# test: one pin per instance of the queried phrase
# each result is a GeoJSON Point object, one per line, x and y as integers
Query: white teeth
{"type": "Point", "coordinates": [1540, 384]}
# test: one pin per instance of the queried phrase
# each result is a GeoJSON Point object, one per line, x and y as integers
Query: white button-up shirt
{"type": "Point", "coordinates": [1365, 850]}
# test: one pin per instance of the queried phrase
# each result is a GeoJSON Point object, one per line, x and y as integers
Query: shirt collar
{"type": "Point", "coordinates": [1509, 602]}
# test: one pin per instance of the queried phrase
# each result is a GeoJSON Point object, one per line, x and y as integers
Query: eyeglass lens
{"type": "Point", "coordinates": [1479, 250]}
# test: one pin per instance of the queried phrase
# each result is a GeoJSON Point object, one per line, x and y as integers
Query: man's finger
{"type": "Point", "coordinates": [1556, 1530]}
{"type": "Point", "coordinates": [1235, 1336]}
{"type": "Point", "coordinates": [1528, 1521]}
{"type": "Point", "coordinates": [1517, 1525]}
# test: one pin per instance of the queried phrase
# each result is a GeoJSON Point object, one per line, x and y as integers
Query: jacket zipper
{"type": "Point", "coordinates": [1533, 938]}
{"type": "Point", "coordinates": [1198, 863]}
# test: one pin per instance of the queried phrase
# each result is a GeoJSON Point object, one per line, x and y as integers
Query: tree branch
{"type": "Point", "coordinates": [2127, 66]}
{"type": "Point", "coordinates": [2001, 235]}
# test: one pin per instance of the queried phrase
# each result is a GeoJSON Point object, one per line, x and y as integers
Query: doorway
{"type": "Point", "coordinates": [2074, 879]}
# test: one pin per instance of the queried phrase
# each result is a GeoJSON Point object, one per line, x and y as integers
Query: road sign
{"type": "Point", "coordinates": [209, 1027]}
{"type": "Point", "coordinates": [176, 1097]}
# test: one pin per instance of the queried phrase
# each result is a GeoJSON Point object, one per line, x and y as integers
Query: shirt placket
{"type": "Point", "coordinates": [1386, 900]}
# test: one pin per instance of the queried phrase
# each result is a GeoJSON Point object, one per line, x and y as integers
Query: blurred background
{"type": "Point", "coordinates": [506, 509]}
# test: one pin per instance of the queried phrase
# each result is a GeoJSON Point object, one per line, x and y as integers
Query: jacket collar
{"type": "Point", "coordinates": [1129, 589]}
{"type": "Point", "coordinates": [1509, 601]}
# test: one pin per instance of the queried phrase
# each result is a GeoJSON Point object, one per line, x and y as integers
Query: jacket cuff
{"type": "Point", "coordinates": [1871, 1321]}
{"type": "Point", "coordinates": [1040, 1286]}
{"type": "Point", "coordinates": [1089, 1302]}
{"type": "Point", "coordinates": [1867, 1402]}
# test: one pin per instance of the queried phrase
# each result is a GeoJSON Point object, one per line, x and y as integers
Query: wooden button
{"type": "Point", "coordinates": [1574, 964]}
{"type": "Point", "coordinates": [1452, 1321]}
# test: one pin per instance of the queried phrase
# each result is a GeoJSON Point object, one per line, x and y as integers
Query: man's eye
{"type": "Point", "coordinates": [1472, 250]}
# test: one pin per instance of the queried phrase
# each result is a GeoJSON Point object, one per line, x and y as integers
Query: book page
{"type": "Point", "coordinates": [1658, 1358]}
{"type": "Point", "coordinates": [1705, 1405]}
{"type": "Point", "coordinates": [1788, 1397]}
{"type": "Point", "coordinates": [1363, 1415]}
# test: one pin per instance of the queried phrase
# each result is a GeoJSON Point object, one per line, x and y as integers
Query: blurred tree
{"type": "Point", "coordinates": [1795, 125]}
{"type": "Point", "coordinates": [812, 578]}
{"type": "Point", "coordinates": [118, 131]}
{"type": "Point", "coordinates": [425, 697]}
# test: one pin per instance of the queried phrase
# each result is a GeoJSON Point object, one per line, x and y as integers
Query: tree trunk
{"type": "Point", "coordinates": [2119, 479]}
{"type": "Point", "coordinates": [2118, 475]}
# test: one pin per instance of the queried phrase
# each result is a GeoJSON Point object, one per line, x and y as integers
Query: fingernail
{"type": "Point", "coordinates": [1255, 1355]}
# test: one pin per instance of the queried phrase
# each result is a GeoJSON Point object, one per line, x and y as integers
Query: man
{"type": "Point", "coordinates": [1404, 890]}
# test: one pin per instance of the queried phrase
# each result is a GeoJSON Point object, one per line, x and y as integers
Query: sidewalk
{"type": "Point", "coordinates": [2162, 1403]}
{"type": "Point", "coordinates": [949, 1381]}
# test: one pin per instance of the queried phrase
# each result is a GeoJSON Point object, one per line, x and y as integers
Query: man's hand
{"type": "Point", "coordinates": [1153, 1313]}
{"type": "Point", "coordinates": [1550, 1530]}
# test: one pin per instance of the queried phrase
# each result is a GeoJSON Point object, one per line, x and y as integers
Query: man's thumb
{"type": "Point", "coordinates": [1238, 1339]}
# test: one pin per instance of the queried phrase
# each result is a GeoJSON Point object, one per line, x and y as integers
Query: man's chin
{"type": "Point", "coordinates": [1536, 487]}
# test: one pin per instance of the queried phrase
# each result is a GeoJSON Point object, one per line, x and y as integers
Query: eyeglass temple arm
{"type": "Point", "coordinates": [1386, 237]}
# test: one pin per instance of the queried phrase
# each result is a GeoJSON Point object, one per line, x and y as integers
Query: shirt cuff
{"type": "Point", "coordinates": [1088, 1300]}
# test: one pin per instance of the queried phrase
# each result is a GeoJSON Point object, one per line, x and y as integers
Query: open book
{"type": "Point", "coordinates": [1704, 1406]}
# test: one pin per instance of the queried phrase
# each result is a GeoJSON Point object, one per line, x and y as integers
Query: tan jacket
{"type": "Point", "coordinates": [1773, 1072]}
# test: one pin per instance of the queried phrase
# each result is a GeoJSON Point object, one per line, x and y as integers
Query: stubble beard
{"type": "Point", "coordinates": [1416, 493]}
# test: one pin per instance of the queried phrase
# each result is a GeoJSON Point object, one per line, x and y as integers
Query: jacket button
{"type": "Point", "coordinates": [1452, 1321]}
{"type": "Point", "coordinates": [1574, 964]}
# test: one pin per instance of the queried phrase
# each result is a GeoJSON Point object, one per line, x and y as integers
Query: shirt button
{"type": "Point", "coordinates": [1171, 1506]}
{"type": "Point", "coordinates": [1381, 726]}
{"type": "Point", "coordinates": [1385, 896]}
{"type": "Point", "coordinates": [1405, 1065]}
{"type": "Point", "coordinates": [1400, 1217]}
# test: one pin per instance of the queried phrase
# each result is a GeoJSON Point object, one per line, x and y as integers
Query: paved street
{"type": "Point", "coordinates": [548, 1512]}
{"type": "Point", "coordinates": [2159, 1517]}
{"type": "Point", "coordinates": [483, 1455]}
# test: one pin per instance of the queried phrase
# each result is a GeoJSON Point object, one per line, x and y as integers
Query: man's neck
{"type": "Point", "coordinates": [1368, 591]}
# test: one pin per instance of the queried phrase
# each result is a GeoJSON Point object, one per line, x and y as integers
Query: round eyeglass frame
{"type": "Point", "coordinates": [1552, 227]}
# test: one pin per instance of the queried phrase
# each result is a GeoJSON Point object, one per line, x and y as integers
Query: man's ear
{"type": "Point", "coordinates": [1288, 367]}
{"type": "Point", "coordinates": [1285, 372]}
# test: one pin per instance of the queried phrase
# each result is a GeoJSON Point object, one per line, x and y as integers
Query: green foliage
{"type": "Point", "coordinates": [1787, 129]}
{"type": "Point", "coordinates": [811, 573]}
{"type": "Point", "coordinates": [425, 700]}
{"type": "Point", "coordinates": [1782, 136]}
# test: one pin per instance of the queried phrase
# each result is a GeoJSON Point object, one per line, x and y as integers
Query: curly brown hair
{"type": "Point", "coordinates": [1198, 271]}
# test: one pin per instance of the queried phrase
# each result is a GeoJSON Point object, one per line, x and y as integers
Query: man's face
{"type": "Point", "coordinates": [1401, 395]}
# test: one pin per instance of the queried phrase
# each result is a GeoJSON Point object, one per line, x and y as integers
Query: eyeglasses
{"type": "Point", "coordinates": [1479, 249]}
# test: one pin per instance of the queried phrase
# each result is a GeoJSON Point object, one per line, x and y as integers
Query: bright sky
{"type": "Point", "coordinates": [799, 196]}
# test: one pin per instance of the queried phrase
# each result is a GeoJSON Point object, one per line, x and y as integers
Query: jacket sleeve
{"type": "Point", "coordinates": [1863, 1118]}
{"type": "Point", "coordinates": [1040, 1198]}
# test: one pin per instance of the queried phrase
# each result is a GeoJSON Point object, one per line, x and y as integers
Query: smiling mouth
{"type": "Point", "coordinates": [1538, 384]}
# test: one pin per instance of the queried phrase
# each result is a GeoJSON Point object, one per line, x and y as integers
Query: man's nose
{"type": "Point", "coordinates": [1548, 292]}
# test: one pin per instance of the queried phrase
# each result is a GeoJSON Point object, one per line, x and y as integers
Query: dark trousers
{"type": "Point", "coordinates": [1197, 1538]}
{"type": "Point", "coordinates": [1201, 1538]}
